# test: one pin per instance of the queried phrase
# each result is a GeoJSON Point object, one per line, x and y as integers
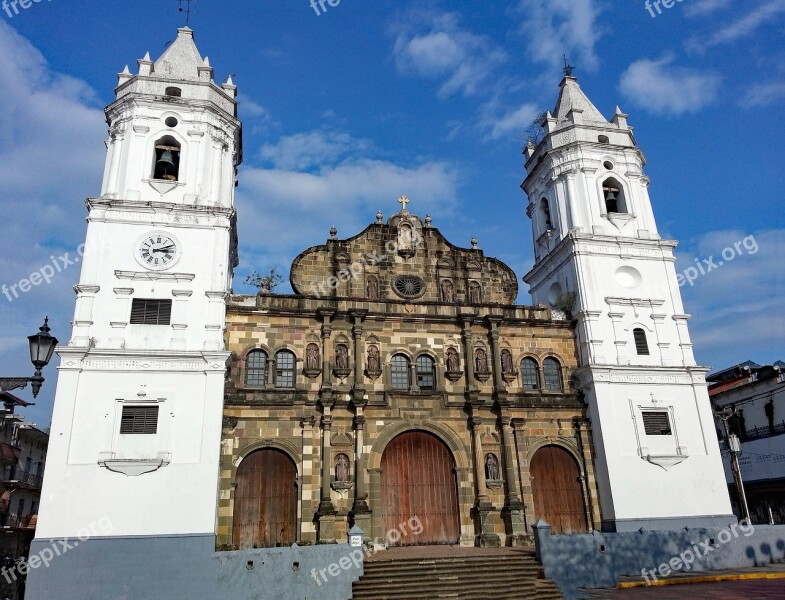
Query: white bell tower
{"type": "Point", "coordinates": [599, 257]}
{"type": "Point", "coordinates": [136, 430]}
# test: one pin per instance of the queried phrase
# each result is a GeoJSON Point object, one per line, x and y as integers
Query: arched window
{"type": "Point", "coordinates": [551, 370]}
{"type": "Point", "coordinates": [546, 214]}
{"type": "Point", "coordinates": [613, 193]}
{"type": "Point", "coordinates": [284, 369]}
{"type": "Point", "coordinates": [426, 372]}
{"type": "Point", "coordinates": [529, 376]}
{"type": "Point", "coordinates": [641, 345]}
{"type": "Point", "coordinates": [399, 372]}
{"type": "Point", "coordinates": [166, 159]}
{"type": "Point", "coordinates": [256, 367]}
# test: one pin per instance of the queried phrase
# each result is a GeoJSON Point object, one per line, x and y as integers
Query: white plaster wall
{"type": "Point", "coordinates": [179, 498]}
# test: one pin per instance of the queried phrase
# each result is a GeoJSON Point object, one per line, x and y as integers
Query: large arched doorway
{"type": "Point", "coordinates": [418, 480]}
{"type": "Point", "coordinates": [556, 485]}
{"type": "Point", "coordinates": [265, 501]}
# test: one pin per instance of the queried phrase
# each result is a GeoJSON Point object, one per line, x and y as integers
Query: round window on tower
{"type": "Point", "coordinates": [409, 286]}
{"type": "Point", "coordinates": [608, 165]}
{"type": "Point", "coordinates": [171, 122]}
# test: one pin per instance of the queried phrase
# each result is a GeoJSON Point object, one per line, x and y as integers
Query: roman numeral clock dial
{"type": "Point", "coordinates": [157, 251]}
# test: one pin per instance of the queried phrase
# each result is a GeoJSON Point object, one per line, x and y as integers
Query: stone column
{"type": "Point", "coordinates": [483, 509]}
{"type": "Point", "coordinates": [307, 533]}
{"type": "Point", "coordinates": [358, 391]}
{"type": "Point", "coordinates": [579, 438]}
{"type": "Point", "coordinates": [499, 385]}
{"type": "Point", "coordinates": [326, 507]}
{"type": "Point", "coordinates": [468, 355]}
{"type": "Point", "coordinates": [513, 512]}
{"type": "Point", "coordinates": [327, 330]}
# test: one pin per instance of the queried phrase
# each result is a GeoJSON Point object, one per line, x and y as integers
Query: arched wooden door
{"type": "Point", "coordinates": [265, 501]}
{"type": "Point", "coordinates": [418, 480]}
{"type": "Point", "coordinates": [558, 494]}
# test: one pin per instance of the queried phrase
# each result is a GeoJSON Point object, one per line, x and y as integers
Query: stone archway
{"type": "Point", "coordinates": [265, 500]}
{"type": "Point", "coordinates": [418, 481]}
{"type": "Point", "coordinates": [557, 490]}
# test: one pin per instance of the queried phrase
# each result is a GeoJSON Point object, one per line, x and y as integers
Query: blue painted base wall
{"type": "Point", "coordinates": [597, 560]}
{"type": "Point", "coordinates": [187, 568]}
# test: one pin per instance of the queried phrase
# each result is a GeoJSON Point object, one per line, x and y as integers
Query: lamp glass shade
{"type": "Point", "coordinates": [42, 346]}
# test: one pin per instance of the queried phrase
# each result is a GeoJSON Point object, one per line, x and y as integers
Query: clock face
{"type": "Point", "coordinates": [157, 250]}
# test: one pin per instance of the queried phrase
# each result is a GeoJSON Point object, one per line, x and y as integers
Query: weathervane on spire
{"type": "Point", "coordinates": [186, 10]}
{"type": "Point", "coordinates": [568, 68]}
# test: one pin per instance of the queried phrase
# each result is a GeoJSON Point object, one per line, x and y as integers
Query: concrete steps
{"type": "Point", "coordinates": [507, 576]}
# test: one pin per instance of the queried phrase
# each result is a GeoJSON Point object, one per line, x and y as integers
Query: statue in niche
{"type": "Point", "coordinates": [342, 468]}
{"type": "Point", "coordinates": [341, 357]}
{"type": "Point", "coordinates": [474, 293]}
{"type": "Point", "coordinates": [453, 361]}
{"type": "Point", "coordinates": [481, 361]}
{"type": "Point", "coordinates": [372, 288]}
{"type": "Point", "coordinates": [405, 238]}
{"type": "Point", "coordinates": [507, 366]}
{"type": "Point", "coordinates": [312, 357]}
{"type": "Point", "coordinates": [448, 291]}
{"type": "Point", "coordinates": [491, 467]}
{"type": "Point", "coordinates": [374, 364]}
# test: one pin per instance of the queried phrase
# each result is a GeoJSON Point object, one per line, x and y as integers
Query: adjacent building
{"type": "Point", "coordinates": [754, 395]}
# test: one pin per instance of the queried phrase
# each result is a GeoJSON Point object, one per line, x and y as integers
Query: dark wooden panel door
{"type": "Point", "coordinates": [418, 480]}
{"type": "Point", "coordinates": [558, 494]}
{"type": "Point", "coordinates": [265, 501]}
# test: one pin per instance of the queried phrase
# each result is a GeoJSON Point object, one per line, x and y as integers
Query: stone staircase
{"type": "Point", "coordinates": [477, 575]}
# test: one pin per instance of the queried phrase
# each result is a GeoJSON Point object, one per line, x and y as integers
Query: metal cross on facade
{"type": "Point", "coordinates": [403, 201]}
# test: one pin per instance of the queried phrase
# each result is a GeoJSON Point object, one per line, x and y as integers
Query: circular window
{"type": "Point", "coordinates": [608, 165]}
{"type": "Point", "coordinates": [171, 122]}
{"type": "Point", "coordinates": [409, 286]}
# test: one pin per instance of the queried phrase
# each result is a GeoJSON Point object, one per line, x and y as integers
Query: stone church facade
{"type": "Point", "coordinates": [400, 380]}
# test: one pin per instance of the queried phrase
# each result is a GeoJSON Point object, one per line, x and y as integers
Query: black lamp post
{"type": "Point", "coordinates": [42, 346]}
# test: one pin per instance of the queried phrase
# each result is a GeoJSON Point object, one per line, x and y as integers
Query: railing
{"type": "Point", "coordinates": [757, 433]}
{"type": "Point", "coordinates": [16, 475]}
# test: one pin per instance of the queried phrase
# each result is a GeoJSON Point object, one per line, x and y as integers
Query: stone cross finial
{"type": "Point", "coordinates": [403, 201]}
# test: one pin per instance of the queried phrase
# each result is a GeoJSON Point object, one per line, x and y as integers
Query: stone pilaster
{"type": "Point", "coordinates": [360, 495]}
{"type": "Point", "coordinates": [484, 512]}
{"type": "Point", "coordinates": [326, 505]}
{"type": "Point", "coordinates": [513, 512]}
{"type": "Point", "coordinates": [358, 390]}
{"type": "Point", "coordinates": [468, 354]}
{"type": "Point", "coordinates": [500, 387]}
{"type": "Point", "coordinates": [327, 349]}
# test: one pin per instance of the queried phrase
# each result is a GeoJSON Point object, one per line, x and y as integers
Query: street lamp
{"type": "Point", "coordinates": [42, 346]}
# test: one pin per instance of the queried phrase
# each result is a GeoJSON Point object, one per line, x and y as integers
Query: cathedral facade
{"type": "Point", "coordinates": [400, 380]}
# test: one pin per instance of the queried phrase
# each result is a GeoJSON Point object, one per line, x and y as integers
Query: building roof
{"type": "Point", "coordinates": [8, 398]}
{"type": "Point", "coordinates": [181, 60]}
{"type": "Point", "coordinates": [572, 98]}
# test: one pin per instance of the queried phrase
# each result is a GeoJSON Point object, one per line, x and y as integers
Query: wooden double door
{"type": "Point", "coordinates": [557, 489]}
{"type": "Point", "coordinates": [265, 501]}
{"type": "Point", "coordinates": [418, 480]}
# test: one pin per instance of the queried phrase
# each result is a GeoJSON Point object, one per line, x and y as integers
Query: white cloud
{"type": "Point", "coordinates": [313, 148]}
{"type": "Point", "coordinates": [661, 88]}
{"type": "Point", "coordinates": [742, 27]}
{"type": "Point", "coordinates": [512, 122]}
{"type": "Point", "coordinates": [51, 151]}
{"type": "Point", "coordinates": [324, 178]}
{"type": "Point", "coordinates": [555, 27]}
{"type": "Point", "coordinates": [699, 8]}
{"type": "Point", "coordinates": [763, 94]}
{"type": "Point", "coordinates": [434, 46]}
{"type": "Point", "coordinates": [740, 300]}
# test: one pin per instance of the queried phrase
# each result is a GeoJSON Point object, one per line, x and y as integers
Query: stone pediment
{"type": "Point", "coordinates": [405, 259]}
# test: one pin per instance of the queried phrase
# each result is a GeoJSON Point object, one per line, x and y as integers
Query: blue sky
{"type": "Point", "coordinates": [345, 111]}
